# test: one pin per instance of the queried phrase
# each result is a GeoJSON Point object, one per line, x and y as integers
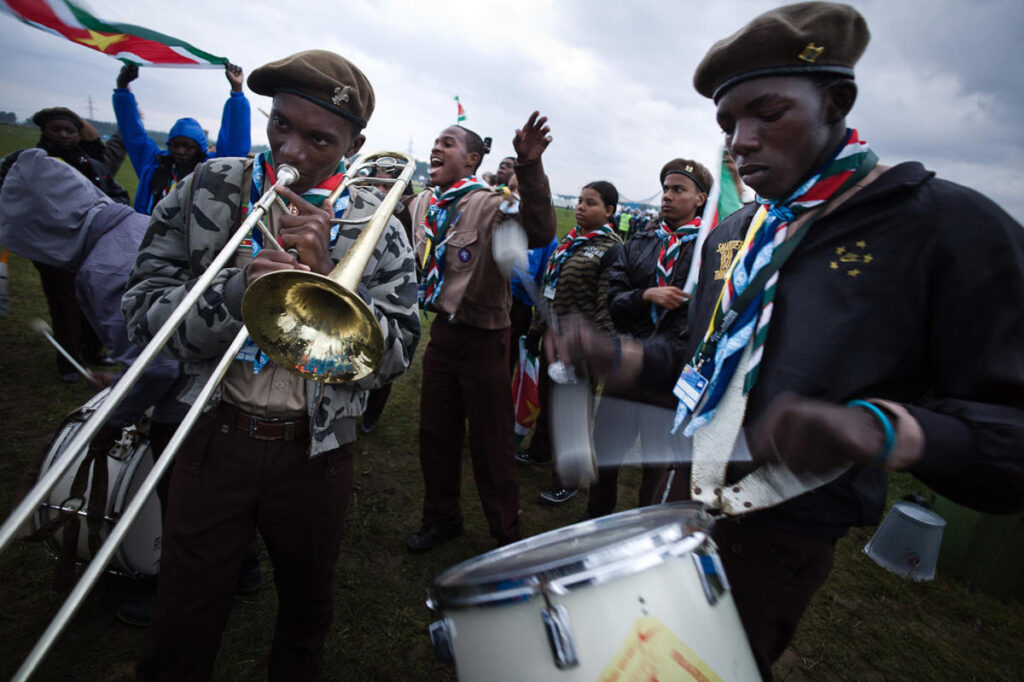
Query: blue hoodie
{"type": "Point", "coordinates": [232, 140]}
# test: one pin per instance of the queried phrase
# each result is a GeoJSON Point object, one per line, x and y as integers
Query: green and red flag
{"type": "Point", "coordinates": [461, 113]}
{"type": "Point", "coordinates": [725, 199]}
{"type": "Point", "coordinates": [131, 44]}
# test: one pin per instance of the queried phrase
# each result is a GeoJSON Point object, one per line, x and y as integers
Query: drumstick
{"type": "Point", "coordinates": [643, 432]}
{"type": "Point", "coordinates": [559, 371]}
{"type": "Point", "coordinates": [40, 326]}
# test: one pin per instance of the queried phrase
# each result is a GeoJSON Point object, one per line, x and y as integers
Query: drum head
{"type": "Point", "coordinates": [584, 553]}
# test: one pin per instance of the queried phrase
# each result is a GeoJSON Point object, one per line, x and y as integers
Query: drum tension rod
{"type": "Point", "coordinates": [559, 629]}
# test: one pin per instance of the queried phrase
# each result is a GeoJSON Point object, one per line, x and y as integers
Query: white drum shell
{"type": "Point", "coordinates": [509, 641]}
{"type": "Point", "coordinates": [139, 553]}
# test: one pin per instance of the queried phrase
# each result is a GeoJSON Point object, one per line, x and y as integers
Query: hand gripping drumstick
{"type": "Point", "coordinates": [40, 326]}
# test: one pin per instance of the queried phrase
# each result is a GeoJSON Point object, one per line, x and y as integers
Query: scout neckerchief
{"type": "Point", "coordinates": [435, 226]}
{"type": "Point", "coordinates": [565, 249]}
{"type": "Point", "coordinates": [672, 242]}
{"type": "Point", "coordinates": [744, 305]}
{"type": "Point", "coordinates": [162, 181]}
{"type": "Point", "coordinates": [263, 175]}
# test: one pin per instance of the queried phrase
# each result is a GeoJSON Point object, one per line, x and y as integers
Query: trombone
{"type": "Point", "coordinates": [342, 281]}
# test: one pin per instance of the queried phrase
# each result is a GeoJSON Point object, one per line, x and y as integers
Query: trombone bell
{"type": "Point", "coordinates": [313, 326]}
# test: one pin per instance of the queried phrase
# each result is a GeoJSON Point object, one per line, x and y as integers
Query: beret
{"type": "Point", "coordinates": [324, 78]}
{"type": "Point", "coordinates": [802, 39]}
{"type": "Point", "coordinates": [41, 117]}
{"type": "Point", "coordinates": [700, 175]}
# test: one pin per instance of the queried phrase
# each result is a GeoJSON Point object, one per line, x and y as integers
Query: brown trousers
{"type": "Point", "coordinates": [465, 378]}
{"type": "Point", "coordinates": [224, 486]}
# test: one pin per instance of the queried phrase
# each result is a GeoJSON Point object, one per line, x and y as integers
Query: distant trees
{"type": "Point", "coordinates": [8, 117]}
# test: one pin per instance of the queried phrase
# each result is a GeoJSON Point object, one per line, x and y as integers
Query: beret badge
{"type": "Point", "coordinates": [341, 95]}
{"type": "Point", "coordinates": [811, 53]}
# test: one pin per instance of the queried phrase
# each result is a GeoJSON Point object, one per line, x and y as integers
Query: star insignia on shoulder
{"type": "Point", "coordinates": [341, 95]}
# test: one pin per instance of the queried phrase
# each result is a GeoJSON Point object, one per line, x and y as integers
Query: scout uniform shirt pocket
{"type": "Point", "coordinates": [462, 252]}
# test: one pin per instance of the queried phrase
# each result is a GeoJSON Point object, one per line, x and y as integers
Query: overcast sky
{"type": "Point", "coordinates": [941, 81]}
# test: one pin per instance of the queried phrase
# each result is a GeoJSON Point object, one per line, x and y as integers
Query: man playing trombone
{"type": "Point", "coordinates": [275, 451]}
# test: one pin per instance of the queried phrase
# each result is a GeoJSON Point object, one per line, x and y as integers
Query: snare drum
{"type": "Point", "coordinates": [128, 463]}
{"type": "Point", "coordinates": [638, 595]}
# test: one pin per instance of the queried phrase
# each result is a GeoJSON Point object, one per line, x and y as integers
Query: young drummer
{"type": "Point", "coordinates": [856, 351]}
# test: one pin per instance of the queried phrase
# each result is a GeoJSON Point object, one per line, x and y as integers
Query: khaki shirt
{"type": "Point", "coordinates": [474, 290]}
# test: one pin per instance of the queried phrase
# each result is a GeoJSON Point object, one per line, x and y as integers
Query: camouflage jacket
{"type": "Point", "coordinates": [174, 254]}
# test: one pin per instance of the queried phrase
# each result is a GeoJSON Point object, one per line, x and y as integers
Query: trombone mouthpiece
{"type": "Point", "coordinates": [287, 175]}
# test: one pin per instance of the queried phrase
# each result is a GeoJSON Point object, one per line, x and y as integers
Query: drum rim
{"type": "Point", "coordinates": [661, 542]}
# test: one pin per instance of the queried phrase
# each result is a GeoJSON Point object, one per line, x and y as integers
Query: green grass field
{"type": "Point", "coordinates": [865, 624]}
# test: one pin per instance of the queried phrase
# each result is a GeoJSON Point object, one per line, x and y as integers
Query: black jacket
{"type": "Point", "coordinates": [633, 271]}
{"type": "Point", "coordinates": [911, 291]}
{"type": "Point", "coordinates": [82, 160]}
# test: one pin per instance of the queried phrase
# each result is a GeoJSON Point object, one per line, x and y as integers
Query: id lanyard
{"type": "Point", "coordinates": [692, 382]}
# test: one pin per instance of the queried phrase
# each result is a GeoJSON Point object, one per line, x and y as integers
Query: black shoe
{"type": "Point", "coordinates": [524, 457]}
{"type": "Point", "coordinates": [557, 495]}
{"type": "Point", "coordinates": [140, 611]}
{"type": "Point", "coordinates": [250, 580]}
{"type": "Point", "coordinates": [105, 361]}
{"type": "Point", "coordinates": [368, 425]}
{"type": "Point", "coordinates": [68, 377]}
{"type": "Point", "coordinates": [432, 534]}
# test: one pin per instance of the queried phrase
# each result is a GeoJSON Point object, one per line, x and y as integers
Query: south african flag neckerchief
{"type": "Point", "coordinates": [263, 176]}
{"type": "Point", "coordinates": [744, 308]}
{"type": "Point", "coordinates": [438, 219]}
{"type": "Point", "coordinates": [566, 247]}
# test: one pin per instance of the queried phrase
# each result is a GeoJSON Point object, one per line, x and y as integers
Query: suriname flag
{"type": "Point", "coordinates": [130, 44]}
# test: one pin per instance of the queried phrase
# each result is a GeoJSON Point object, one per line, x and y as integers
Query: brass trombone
{"type": "Point", "coordinates": [343, 281]}
{"type": "Point", "coordinates": [317, 326]}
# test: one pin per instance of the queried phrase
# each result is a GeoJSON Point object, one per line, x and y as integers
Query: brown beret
{"type": "Point", "coordinates": [803, 39]}
{"type": "Point", "coordinates": [324, 78]}
{"type": "Point", "coordinates": [700, 175]}
{"type": "Point", "coordinates": [41, 117]}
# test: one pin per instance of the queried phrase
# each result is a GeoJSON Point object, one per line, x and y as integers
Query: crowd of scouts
{"type": "Point", "coordinates": [834, 321]}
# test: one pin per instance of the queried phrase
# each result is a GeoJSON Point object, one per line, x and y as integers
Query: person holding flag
{"type": "Point", "coordinates": [835, 328]}
{"type": "Point", "coordinates": [160, 170]}
{"type": "Point", "coordinates": [646, 299]}
{"type": "Point", "coordinates": [465, 366]}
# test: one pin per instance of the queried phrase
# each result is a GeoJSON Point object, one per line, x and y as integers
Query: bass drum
{"type": "Point", "coordinates": [638, 595]}
{"type": "Point", "coordinates": [128, 463]}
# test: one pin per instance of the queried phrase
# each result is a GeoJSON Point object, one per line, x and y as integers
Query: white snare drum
{"type": "Point", "coordinates": [128, 464]}
{"type": "Point", "coordinates": [638, 595]}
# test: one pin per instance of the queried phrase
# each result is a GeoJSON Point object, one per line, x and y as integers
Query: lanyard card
{"type": "Point", "coordinates": [690, 386]}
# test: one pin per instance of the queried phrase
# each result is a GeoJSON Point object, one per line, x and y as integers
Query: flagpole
{"type": "Point", "coordinates": [710, 207]}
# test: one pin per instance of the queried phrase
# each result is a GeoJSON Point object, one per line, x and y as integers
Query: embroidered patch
{"type": "Point", "coordinates": [465, 254]}
{"type": "Point", "coordinates": [726, 251]}
{"type": "Point", "coordinates": [851, 260]}
{"type": "Point", "coordinates": [811, 53]}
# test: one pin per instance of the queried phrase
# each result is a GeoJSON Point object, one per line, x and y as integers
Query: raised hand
{"type": "Point", "coordinates": [128, 73]}
{"type": "Point", "coordinates": [235, 76]}
{"type": "Point", "coordinates": [532, 139]}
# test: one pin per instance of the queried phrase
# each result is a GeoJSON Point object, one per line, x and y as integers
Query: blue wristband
{"type": "Point", "coordinates": [887, 429]}
{"type": "Point", "coordinates": [617, 360]}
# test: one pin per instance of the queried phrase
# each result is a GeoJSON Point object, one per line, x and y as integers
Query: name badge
{"type": "Point", "coordinates": [549, 292]}
{"type": "Point", "coordinates": [690, 386]}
